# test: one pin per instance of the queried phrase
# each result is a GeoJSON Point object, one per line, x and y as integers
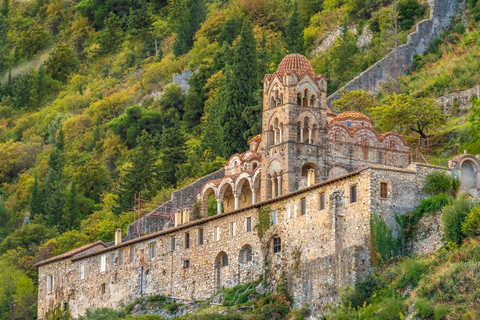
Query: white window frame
{"type": "Point", "coordinates": [274, 218]}
{"type": "Point", "coordinates": [132, 254]}
{"type": "Point", "coordinates": [121, 256]}
{"type": "Point", "coordinates": [50, 283]}
{"type": "Point", "coordinates": [103, 262]}
{"type": "Point", "coordinates": [248, 224]}
{"type": "Point", "coordinates": [216, 233]}
{"type": "Point", "coordinates": [232, 229]}
{"type": "Point", "coordinates": [152, 248]}
{"type": "Point", "coordinates": [112, 260]}
{"type": "Point", "coordinates": [82, 272]}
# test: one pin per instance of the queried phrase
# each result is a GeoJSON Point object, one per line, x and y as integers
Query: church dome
{"type": "Point", "coordinates": [295, 62]}
{"type": "Point", "coordinates": [353, 115]}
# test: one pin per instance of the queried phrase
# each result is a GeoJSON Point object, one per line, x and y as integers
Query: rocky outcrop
{"type": "Point", "coordinates": [428, 237]}
{"type": "Point", "coordinates": [455, 102]}
{"type": "Point", "coordinates": [397, 62]}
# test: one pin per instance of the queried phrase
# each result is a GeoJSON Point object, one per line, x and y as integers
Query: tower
{"type": "Point", "coordinates": [294, 125]}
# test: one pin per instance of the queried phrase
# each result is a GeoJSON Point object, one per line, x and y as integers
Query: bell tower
{"type": "Point", "coordinates": [293, 127]}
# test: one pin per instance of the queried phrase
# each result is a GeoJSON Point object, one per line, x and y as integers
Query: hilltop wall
{"type": "Point", "coordinates": [396, 64]}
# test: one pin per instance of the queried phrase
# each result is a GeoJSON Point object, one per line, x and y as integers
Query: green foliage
{"type": "Point", "coordinates": [412, 270]}
{"type": "Point", "coordinates": [408, 11]}
{"type": "Point", "coordinates": [454, 216]}
{"type": "Point", "coordinates": [471, 226]}
{"type": "Point", "coordinates": [173, 155]}
{"type": "Point", "coordinates": [357, 100]}
{"type": "Point", "coordinates": [263, 223]}
{"type": "Point", "coordinates": [361, 292]}
{"type": "Point", "coordinates": [194, 15]}
{"type": "Point", "coordinates": [438, 182]}
{"type": "Point", "coordinates": [30, 237]}
{"type": "Point", "coordinates": [57, 313]}
{"type": "Point", "coordinates": [103, 314]}
{"type": "Point", "coordinates": [384, 245]}
{"type": "Point", "coordinates": [61, 63]}
{"type": "Point", "coordinates": [294, 31]}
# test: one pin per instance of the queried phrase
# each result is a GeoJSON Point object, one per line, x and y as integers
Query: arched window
{"type": "Point", "coordinates": [246, 254]}
{"type": "Point", "coordinates": [349, 123]}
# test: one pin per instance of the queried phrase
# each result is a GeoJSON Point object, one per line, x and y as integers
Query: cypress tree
{"type": "Point", "coordinates": [189, 24]}
{"type": "Point", "coordinates": [54, 186]}
{"type": "Point", "coordinates": [5, 8]}
{"type": "Point", "coordinates": [71, 218]}
{"type": "Point", "coordinates": [36, 202]}
{"type": "Point", "coordinates": [173, 153]}
{"type": "Point", "coordinates": [241, 84]}
{"type": "Point", "coordinates": [294, 31]}
{"type": "Point", "coordinates": [229, 32]}
{"type": "Point", "coordinates": [142, 174]}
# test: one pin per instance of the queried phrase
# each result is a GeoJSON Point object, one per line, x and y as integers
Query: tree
{"type": "Point", "coordinates": [173, 154]}
{"type": "Point", "coordinates": [92, 179]}
{"type": "Point", "coordinates": [140, 175]}
{"type": "Point", "coordinates": [229, 31]}
{"type": "Point", "coordinates": [54, 185]}
{"type": "Point", "coordinates": [111, 36]}
{"type": "Point", "coordinates": [357, 100]}
{"type": "Point", "coordinates": [241, 85]}
{"type": "Point", "coordinates": [5, 7]}
{"type": "Point", "coordinates": [294, 31]}
{"type": "Point", "coordinates": [32, 40]}
{"type": "Point", "coordinates": [189, 24]}
{"type": "Point", "coordinates": [140, 20]}
{"type": "Point", "coordinates": [62, 62]}
{"type": "Point", "coordinates": [71, 215]}
{"type": "Point", "coordinates": [407, 115]}
{"type": "Point", "coordinates": [36, 202]}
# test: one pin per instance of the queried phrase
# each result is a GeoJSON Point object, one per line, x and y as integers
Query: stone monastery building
{"type": "Point", "coordinates": [318, 175]}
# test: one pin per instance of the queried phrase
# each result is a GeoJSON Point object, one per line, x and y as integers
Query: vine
{"type": "Point", "coordinates": [263, 222]}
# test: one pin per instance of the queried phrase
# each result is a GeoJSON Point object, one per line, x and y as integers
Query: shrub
{"type": "Point", "coordinates": [383, 241]}
{"type": "Point", "coordinates": [412, 272]}
{"type": "Point", "coordinates": [364, 288]}
{"type": "Point", "coordinates": [471, 226]}
{"type": "Point", "coordinates": [453, 217]}
{"type": "Point", "coordinates": [391, 308]}
{"type": "Point", "coordinates": [424, 308]}
{"type": "Point", "coordinates": [441, 311]}
{"type": "Point", "coordinates": [103, 314]}
{"type": "Point", "coordinates": [441, 182]}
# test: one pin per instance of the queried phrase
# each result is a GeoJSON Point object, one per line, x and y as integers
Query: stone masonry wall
{"type": "Point", "coordinates": [457, 101]}
{"type": "Point", "coordinates": [428, 237]}
{"type": "Point", "coordinates": [184, 197]}
{"type": "Point", "coordinates": [394, 65]}
{"type": "Point", "coordinates": [322, 250]}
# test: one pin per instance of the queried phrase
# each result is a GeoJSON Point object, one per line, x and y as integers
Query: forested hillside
{"type": "Point", "coordinates": [89, 115]}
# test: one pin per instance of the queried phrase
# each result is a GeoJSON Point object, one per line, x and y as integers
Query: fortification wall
{"type": "Point", "coordinates": [396, 64]}
{"type": "Point", "coordinates": [457, 101]}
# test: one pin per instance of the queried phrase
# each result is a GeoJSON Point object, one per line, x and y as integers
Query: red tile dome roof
{"type": "Point", "coordinates": [295, 62]}
{"type": "Point", "coordinates": [352, 114]}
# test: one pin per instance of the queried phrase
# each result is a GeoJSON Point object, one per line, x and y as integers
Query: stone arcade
{"type": "Point", "coordinates": [319, 174]}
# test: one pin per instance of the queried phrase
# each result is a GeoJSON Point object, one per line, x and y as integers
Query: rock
{"type": "Point", "coordinates": [218, 299]}
{"type": "Point", "coordinates": [260, 288]}
{"type": "Point", "coordinates": [138, 309]}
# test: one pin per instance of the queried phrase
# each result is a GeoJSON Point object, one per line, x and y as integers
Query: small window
{"type": "Point", "coordinates": [224, 260]}
{"type": "Point", "coordinates": [274, 218]}
{"type": "Point", "coordinates": [172, 243]}
{"type": "Point", "coordinates": [216, 233]}
{"type": "Point", "coordinates": [65, 306]}
{"type": "Point", "coordinates": [187, 240]}
{"type": "Point", "coordinates": [303, 206]}
{"type": "Point", "coordinates": [112, 260]}
{"type": "Point", "coordinates": [232, 229]}
{"type": "Point", "coordinates": [277, 245]}
{"type": "Point", "coordinates": [186, 264]}
{"type": "Point", "coordinates": [353, 194]}
{"type": "Point", "coordinates": [322, 200]}
{"type": "Point", "coordinates": [249, 224]}
{"type": "Point", "coordinates": [383, 190]}
{"type": "Point", "coordinates": [200, 236]}
{"type": "Point", "coordinates": [50, 284]}
{"type": "Point", "coordinates": [103, 262]}
{"type": "Point", "coordinates": [102, 288]}
{"type": "Point", "coordinates": [152, 250]}
{"type": "Point", "coordinates": [121, 256]}
{"type": "Point", "coordinates": [82, 272]}
{"type": "Point", "coordinates": [132, 254]}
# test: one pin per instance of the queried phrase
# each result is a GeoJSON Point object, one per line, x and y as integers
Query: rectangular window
{"type": "Point", "coordinates": [232, 228]}
{"type": "Point", "coordinates": [172, 243]}
{"type": "Point", "coordinates": [248, 254]}
{"type": "Point", "coordinates": [103, 263]}
{"type": "Point", "coordinates": [112, 260]}
{"type": "Point", "coordinates": [49, 284]}
{"type": "Point", "coordinates": [187, 240]}
{"type": "Point", "coordinates": [121, 256]}
{"type": "Point", "coordinates": [249, 224]}
{"type": "Point", "coordinates": [216, 233]}
{"type": "Point", "coordinates": [82, 271]}
{"type": "Point", "coordinates": [274, 218]}
{"type": "Point", "coordinates": [303, 206]}
{"type": "Point", "coordinates": [200, 236]}
{"type": "Point", "coordinates": [383, 190]}
{"type": "Point", "coordinates": [132, 254]}
{"type": "Point", "coordinates": [186, 264]}
{"type": "Point", "coordinates": [353, 194]}
{"type": "Point", "coordinates": [322, 200]}
{"type": "Point", "coordinates": [102, 288]}
{"type": "Point", "coordinates": [277, 245]}
{"type": "Point", "coordinates": [152, 250]}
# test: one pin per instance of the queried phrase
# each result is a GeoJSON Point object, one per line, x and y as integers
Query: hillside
{"type": "Point", "coordinates": [89, 115]}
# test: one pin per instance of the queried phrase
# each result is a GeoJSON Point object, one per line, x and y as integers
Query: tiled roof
{"type": "Point", "coordinates": [70, 253]}
{"type": "Point", "coordinates": [297, 63]}
{"type": "Point", "coordinates": [352, 115]}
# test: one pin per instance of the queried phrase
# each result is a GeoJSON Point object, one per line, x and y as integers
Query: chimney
{"type": "Point", "coordinates": [186, 215]}
{"type": "Point", "coordinates": [118, 236]}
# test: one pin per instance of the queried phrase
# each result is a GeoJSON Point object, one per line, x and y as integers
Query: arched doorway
{"type": "Point", "coordinates": [221, 262]}
{"type": "Point", "coordinates": [467, 175]}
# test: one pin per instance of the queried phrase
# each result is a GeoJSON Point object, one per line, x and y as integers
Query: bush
{"type": "Point", "coordinates": [383, 241]}
{"type": "Point", "coordinates": [412, 272]}
{"type": "Point", "coordinates": [453, 217]}
{"type": "Point", "coordinates": [441, 182]}
{"type": "Point", "coordinates": [471, 226]}
{"type": "Point", "coordinates": [103, 314]}
{"type": "Point", "coordinates": [391, 308]}
{"type": "Point", "coordinates": [364, 288]}
{"type": "Point", "coordinates": [424, 308]}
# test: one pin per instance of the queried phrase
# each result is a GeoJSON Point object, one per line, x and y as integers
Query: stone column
{"type": "Point", "coordinates": [309, 135]}
{"type": "Point", "coordinates": [301, 134]}
{"type": "Point", "coordinates": [310, 177]}
{"type": "Point", "coordinates": [274, 136]}
{"type": "Point", "coordinates": [254, 196]}
{"type": "Point", "coordinates": [219, 206]}
{"type": "Point", "coordinates": [236, 195]}
{"type": "Point", "coordinates": [281, 135]}
{"type": "Point", "coordinates": [279, 185]}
